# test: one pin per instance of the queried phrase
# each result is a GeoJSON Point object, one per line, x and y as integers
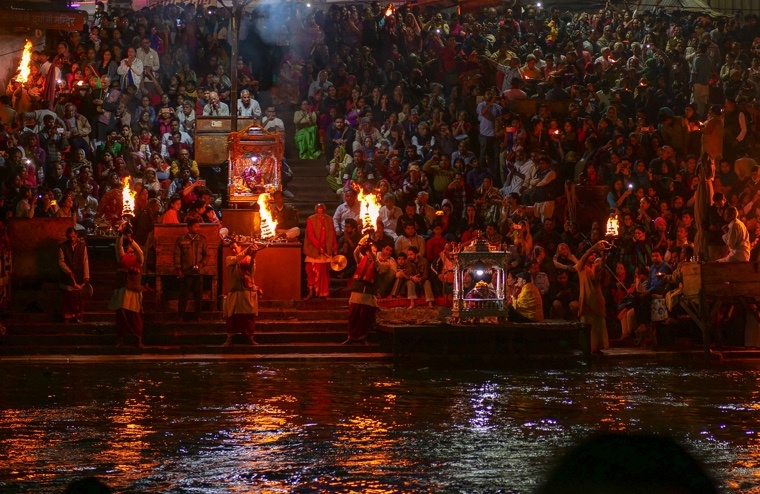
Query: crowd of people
{"type": "Point", "coordinates": [494, 125]}
{"type": "Point", "coordinates": [480, 125]}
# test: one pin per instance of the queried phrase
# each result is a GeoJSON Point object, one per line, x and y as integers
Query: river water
{"type": "Point", "coordinates": [245, 427]}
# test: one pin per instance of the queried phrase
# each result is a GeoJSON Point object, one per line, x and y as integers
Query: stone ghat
{"type": "Point", "coordinates": [443, 344]}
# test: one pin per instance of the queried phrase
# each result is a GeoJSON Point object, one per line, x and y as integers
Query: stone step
{"type": "Point", "coordinates": [169, 339]}
{"type": "Point", "coordinates": [174, 327]}
{"type": "Point", "coordinates": [290, 351]}
{"type": "Point", "coordinates": [131, 354]}
{"type": "Point", "coordinates": [158, 317]}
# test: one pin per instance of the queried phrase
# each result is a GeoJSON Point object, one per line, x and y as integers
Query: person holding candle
{"type": "Point", "coordinates": [242, 304]}
{"type": "Point", "coordinates": [591, 304]}
{"type": "Point", "coordinates": [362, 305]}
{"type": "Point", "coordinates": [127, 297]}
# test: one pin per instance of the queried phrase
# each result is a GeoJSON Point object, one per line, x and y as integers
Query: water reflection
{"type": "Point", "coordinates": [237, 427]}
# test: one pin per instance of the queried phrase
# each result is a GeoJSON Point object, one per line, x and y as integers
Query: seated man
{"type": "Point", "coordinates": [347, 244]}
{"type": "Point", "coordinates": [736, 238]}
{"type": "Point", "coordinates": [527, 307]}
{"type": "Point", "coordinates": [285, 217]}
{"type": "Point", "coordinates": [215, 107]}
{"type": "Point", "coordinates": [386, 270]}
{"type": "Point", "coordinates": [564, 298]}
{"type": "Point", "coordinates": [418, 275]}
{"type": "Point", "coordinates": [654, 286]}
{"type": "Point", "coordinates": [399, 286]}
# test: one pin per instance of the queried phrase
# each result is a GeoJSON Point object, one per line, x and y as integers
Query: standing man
{"type": "Point", "coordinates": [713, 224]}
{"type": "Point", "coordinates": [543, 188]}
{"type": "Point", "coordinates": [148, 56]}
{"type": "Point", "coordinates": [591, 305]}
{"type": "Point", "coordinates": [190, 257]}
{"type": "Point", "coordinates": [242, 304]}
{"type": "Point", "coordinates": [53, 142]}
{"type": "Point", "coordinates": [488, 111]}
{"type": "Point", "coordinates": [362, 305]}
{"type": "Point", "coordinates": [701, 70]}
{"type": "Point", "coordinates": [127, 297]}
{"type": "Point", "coordinates": [75, 273]}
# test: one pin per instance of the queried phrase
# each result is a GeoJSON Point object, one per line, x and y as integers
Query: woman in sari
{"type": "Point", "coordinates": [319, 247]}
{"type": "Point", "coordinates": [488, 200]}
{"type": "Point", "coordinates": [306, 132]}
{"type": "Point", "coordinates": [341, 159]}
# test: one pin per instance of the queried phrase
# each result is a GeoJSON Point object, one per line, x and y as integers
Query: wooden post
{"type": "Point", "coordinates": [235, 15]}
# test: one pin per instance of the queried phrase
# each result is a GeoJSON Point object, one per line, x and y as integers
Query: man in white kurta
{"type": "Point", "coordinates": [736, 238]}
{"type": "Point", "coordinates": [242, 304]}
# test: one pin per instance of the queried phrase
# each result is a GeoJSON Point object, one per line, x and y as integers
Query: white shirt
{"type": "Point", "coordinates": [166, 139]}
{"type": "Point", "coordinates": [253, 109]}
{"type": "Point", "coordinates": [344, 212]}
{"type": "Point", "coordinates": [149, 59]}
{"type": "Point", "coordinates": [273, 124]}
{"type": "Point", "coordinates": [737, 241]}
{"type": "Point", "coordinates": [389, 218]}
{"type": "Point", "coordinates": [221, 110]}
{"type": "Point", "coordinates": [136, 70]}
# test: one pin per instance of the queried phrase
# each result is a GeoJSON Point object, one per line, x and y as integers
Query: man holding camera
{"type": "Point", "coordinates": [190, 257]}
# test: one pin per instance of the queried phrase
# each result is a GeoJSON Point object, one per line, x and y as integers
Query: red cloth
{"type": "Point", "coordinates": [366, 270]}
{"type": "Point", "coordinates": [129, 322]}
{"type": "Point", "coordinates": [318, 278]}
{"type": "Point", "coordinates": [361, 320]}
{"type": "Point", "coordinates": [72, 304]}
{"type": "Point", "coordinates": [241, 324]}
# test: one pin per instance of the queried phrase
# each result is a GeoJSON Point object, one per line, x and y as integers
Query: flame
{"type": "Point", "coordinates": [127, 199]}
{"type": "Point", "coordinates": [613, 226]}
{"type": "Point", "coordinates": [26, 61]}
{"type": "Point", "coordinates": [370, 208]}
{"type": "Point", "coordinates": [267, 222]}
{"type": "Point", "coordinates": [389, 10]}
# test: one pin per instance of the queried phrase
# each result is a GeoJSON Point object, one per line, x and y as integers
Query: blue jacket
{"type": "Point", "coordinates": [654, 283]}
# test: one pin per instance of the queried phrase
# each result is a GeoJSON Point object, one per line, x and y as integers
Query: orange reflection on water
{"type": "Point", "coordinates": [129, 444]}
{"type": "Point", "coordinates": [369, 447]}
{"type": "Point", "coordinates": [27, 445]}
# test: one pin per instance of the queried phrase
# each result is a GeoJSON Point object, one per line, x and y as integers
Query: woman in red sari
{"type": "Point", "coordinates": [319, 246]}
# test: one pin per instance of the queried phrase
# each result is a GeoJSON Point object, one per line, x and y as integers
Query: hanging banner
{"type": "Point", "coordinates": [35, 19]}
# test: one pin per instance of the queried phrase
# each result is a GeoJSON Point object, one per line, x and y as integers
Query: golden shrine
{"type": "Point", "coordinates": [255, 163]}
